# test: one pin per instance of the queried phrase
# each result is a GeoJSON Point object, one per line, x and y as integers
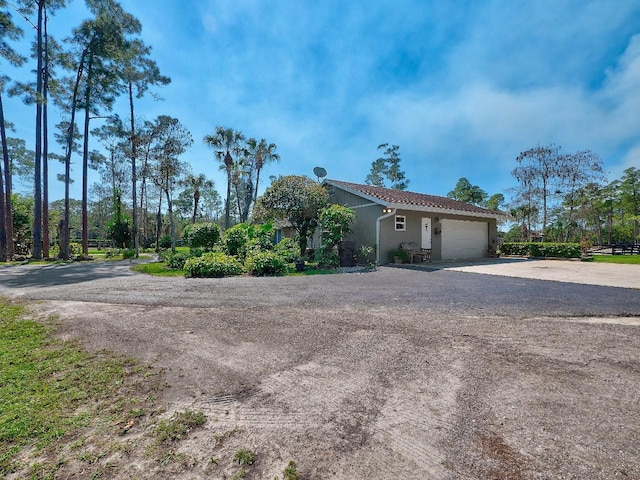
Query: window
{"type": "Point", "coordinates": [401, 223]}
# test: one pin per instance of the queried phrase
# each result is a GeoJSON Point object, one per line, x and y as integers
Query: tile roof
{"type": "Point", "coordinates": [421, 201]}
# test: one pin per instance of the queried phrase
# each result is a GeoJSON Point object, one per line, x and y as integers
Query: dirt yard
{"type": "Point", "coordinates": [386, 375]}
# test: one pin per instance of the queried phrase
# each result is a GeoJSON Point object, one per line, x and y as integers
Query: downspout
{"type": "Point", "coordinates": [378, 220]}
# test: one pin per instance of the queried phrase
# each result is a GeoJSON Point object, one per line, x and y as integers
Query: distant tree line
{"type": "Point", "coordinates": [145, 185]}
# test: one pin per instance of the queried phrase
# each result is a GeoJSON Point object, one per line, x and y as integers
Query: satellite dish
{"type": "Point", "coordinates": [319, 172]}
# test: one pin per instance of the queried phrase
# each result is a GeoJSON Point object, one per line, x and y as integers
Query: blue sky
{"type": "Point", "coordinates": [462, 87]}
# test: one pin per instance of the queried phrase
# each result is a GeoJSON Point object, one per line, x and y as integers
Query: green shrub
{"type": "Point", "coordinates": [112, 252]}
{"type": "Point", "coordinates": [175, 259]}
{"type": "Point", "coordinates": [75, 249]}
{"type": "Point", "coordinates": [260, 237]}
{"type": "Point", "coordinates": [541, 249]}
{"type": "Point", "coordinates": [213, 264]}
{"type": "Point", "coordinates": [266, 263]}
{"type": "Point", "coordinates": [327, 258]}
{"type": "Point", "coordinates": [235, 239]}
{"type": "Point", "coordinates": [288, 249]}
{"type": "Point", "coordinates": [54, 250]}
{"type": "Point", "coordinates": [201, 235]}
{"type": "Point", "coordinates": [129, 253]}
{"type": "Point", "coordinates": [366, 254]}
{"type": "Point", "coordinates": [165, 241]}
{"type": "Point", "coordinates": [514, 248]}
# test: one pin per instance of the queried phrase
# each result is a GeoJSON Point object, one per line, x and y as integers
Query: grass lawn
{"type": "Point", "coordinates": [52, 392]}
{"type": "Point", "coordinates": [68, 413]}
{"type": "Point", "coordinates": [158, 269]}
{"type": "Point", "coordinates": [626, 259]}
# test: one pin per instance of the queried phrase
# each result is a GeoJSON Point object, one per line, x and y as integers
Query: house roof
{"type": "Point", "coordinates": [401, 199]}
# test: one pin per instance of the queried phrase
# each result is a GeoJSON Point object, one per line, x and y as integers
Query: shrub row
{"type": "Point", "coordinates": [213, 264]}
{"type": "Point", "coordinates": [540, 249]}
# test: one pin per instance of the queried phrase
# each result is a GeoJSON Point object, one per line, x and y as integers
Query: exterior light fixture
{"type": "Point", "coordinates": [386, 210]}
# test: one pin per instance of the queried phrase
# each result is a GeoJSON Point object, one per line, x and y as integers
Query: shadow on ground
{"type": "Point", "coordinates": [62, 274]}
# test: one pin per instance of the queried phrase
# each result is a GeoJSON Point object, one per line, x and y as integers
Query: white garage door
{"type": "Point", "coordinates": [464, 239]}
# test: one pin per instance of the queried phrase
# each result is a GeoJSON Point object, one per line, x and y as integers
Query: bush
{"type": "Point", "coordinates": [514, 248]}
{"type": "Point", "coordinates": [213, 264]}
{"type": "Point", "coordinates": [165, 241]}
{"type": "Point", "coordinates": [540, 249]}
{"type": "Point", "coordinates": [235, 239]}
{"type": "Point", "coordinates": [327, 258]}
{"type": "Point", "coordinates": [366, 254]}
{"type": "Point", "coordinates": [288, 249]}
{"type": "Point", "coordinates": [112, 252]}
{"type": "Point", "coordinates": [75, 249]}
{"type": "Point", "coordinates": [201, 235]}
{"type": "Point", "coordinates": [266, 263]}
{"type": "Point", "coordinates": [175, 259]}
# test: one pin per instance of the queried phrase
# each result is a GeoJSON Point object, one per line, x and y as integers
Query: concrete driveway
{"type": "Point", "coordinates": [571, 271]}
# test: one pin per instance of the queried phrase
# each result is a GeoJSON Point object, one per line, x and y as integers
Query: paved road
{"type": "Point", "coordinates": [493, 289]}
{"type": "Point", "coordinates": [397, 373]}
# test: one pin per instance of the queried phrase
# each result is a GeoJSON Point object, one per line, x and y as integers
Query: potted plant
{"type": "Point", "coordinates": [398, 256]}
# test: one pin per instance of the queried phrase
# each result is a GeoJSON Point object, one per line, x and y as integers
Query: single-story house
{"type": "Point", "coordinates": [386, 217]}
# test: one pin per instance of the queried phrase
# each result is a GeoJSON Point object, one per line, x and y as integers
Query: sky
{"type": "Point", "coordinates": [462, 87]}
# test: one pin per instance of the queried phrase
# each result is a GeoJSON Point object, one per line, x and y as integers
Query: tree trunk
{"type": "Point", "coordinates": [227, 218]}
{"type": "Point", "coordinates": [3, 228]}
{"type": "Point", "coordinates": [36, 248]}
{"type": "Point", "coordinates": [172, 227]}
{"type": "Point", "coordinates": [45, 146]}
{"type": "Point", "coordinates": [159, 223]}
{"type": "Point", "coordinates": [255, 193]}
{"type": "Point", "coordinates": [64, 238]}
{"type": "Point", "coordinates": [196, 199]}
{"type": "Point", "coordinates": [6, 215]}
{"type": "Point", "coordinates": [85, 160]}
{"type": "Point", "coordinates": [134, 179]}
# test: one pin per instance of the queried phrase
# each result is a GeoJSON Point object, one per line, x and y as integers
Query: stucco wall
{"type": "Point", "coordinates": [364, 228]}
{"type": "Point", "coordinates": [391, 238]}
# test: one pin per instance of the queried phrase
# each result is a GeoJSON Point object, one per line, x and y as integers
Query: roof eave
{"type": "Point", "coordinates": [415, 208]}
{"type": "Point", "coordinates": [357, 193]}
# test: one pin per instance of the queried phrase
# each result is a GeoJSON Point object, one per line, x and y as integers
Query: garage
{"type": "Point", "coordinates": [464, 239]}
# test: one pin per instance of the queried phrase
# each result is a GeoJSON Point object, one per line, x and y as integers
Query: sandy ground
{"type": "Point", "coordinates": [384, 375]}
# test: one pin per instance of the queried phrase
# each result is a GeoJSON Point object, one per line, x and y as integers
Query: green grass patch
{"type": "Point", "coordinates": [51, 389]}
{"type": "Point", "coordinates": [158, 269]}
{"type": "Point", "coordinates": [623, 259]}
{"type": "Point", "coordinates": [311, 268]}
{"type": "Point", "coordinates": [312, 271]}
{"type": "Point", "coordinates": [178, 425]}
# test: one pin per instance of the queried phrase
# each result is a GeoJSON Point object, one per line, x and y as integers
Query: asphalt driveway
{"type": "Point", "coordinates": [395, 373]}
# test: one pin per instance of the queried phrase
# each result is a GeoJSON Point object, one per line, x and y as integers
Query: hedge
{"type": "Point", "coordinates": [214, 264]}
{"type": "Point", "coordinates": [266, 263]}
{"type": "Point", "coordinates": [540, 249]}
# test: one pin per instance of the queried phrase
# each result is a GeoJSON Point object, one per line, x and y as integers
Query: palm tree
{"type": "Point", "coordinates": [197, 184]}
{"type": "Point", "coordinates": [224, 142]}
{"type": "Point", "coordinates": [262, 153]}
